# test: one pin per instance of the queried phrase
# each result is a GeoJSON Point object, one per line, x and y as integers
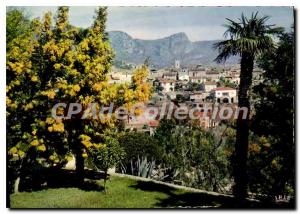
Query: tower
{"type": "Point", "coordinates": [177, 64]}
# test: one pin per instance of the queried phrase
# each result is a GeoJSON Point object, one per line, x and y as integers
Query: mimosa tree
{"type": "Point", "coordinates": [63, 64]}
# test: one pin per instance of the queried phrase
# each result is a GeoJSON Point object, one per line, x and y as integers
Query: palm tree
{"type": "Point", "coordinates": [248, 38]}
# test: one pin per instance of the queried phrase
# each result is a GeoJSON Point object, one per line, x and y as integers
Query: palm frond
{"type": "Point", "coordinates": [226, 49]}
{"type": "Point", "coordinates": [251, 35]}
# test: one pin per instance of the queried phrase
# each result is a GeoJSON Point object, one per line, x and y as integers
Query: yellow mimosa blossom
{"type": "Point", "coordinates": [34, 143]}
{"type": "Point", "coordinates": [41, 148]}
{"type": "Point", "coordinates": [34, 78]}
{"type": "Point", "coordinates": [50, 120]}
{"type": "Point", "coordinates": [50, 94]}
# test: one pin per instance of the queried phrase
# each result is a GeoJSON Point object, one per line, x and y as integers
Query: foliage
{"type": "Point", "coordinates": [226, 83]}
{"type": "Point", "coordinates": [192, 156]}
{"type": "Point", "coordinates": [194, 86]}
{"type": "Point", "coordinates": [17, 24]}
{"type": "Point", "coordinates": [143, 168]}
{"type": "Point", "coordinates": [139, 147]}
{"type": "Point", "coordinates": [247, 35]}
{"type": "Point", "coordinates": [61, 63]}
{"type": "Point", "coordinates": [181, 98]}
{"type": "Point", "coordinates": [273, 168]}
{"type": "Point", "coordinates": [248, 38]}
{"type": "Point", "coordinates": [140, 144]}
{"type": "Point", "coordinates": [106, 155]}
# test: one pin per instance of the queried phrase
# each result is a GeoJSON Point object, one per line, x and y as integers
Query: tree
{"type": "Point", "coordinates": [63, 65]}
{"type": "Point", "coordinates": [17, 24]}
{"type": "Point", "coordinates": [193, 156]}
{"type": "Point", "coordinates": [106, 155]}
{"type": "Point", "coordinates": [248, 38]}
{"type": "Point", "coordinates": [273, 121]}
{"type": "Point", "coordinates": [24, 149]}
{"type": "Point", "coordinates": [138, 145]}
{"type": "Point", "coordinates": [226, 83]}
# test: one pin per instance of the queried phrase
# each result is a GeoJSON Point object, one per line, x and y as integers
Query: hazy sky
{"type": "Point", "coordinates": [199, 23]}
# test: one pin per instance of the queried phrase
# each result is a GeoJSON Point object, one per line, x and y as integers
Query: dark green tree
{"type": "Point", "coordinates": [139, 145]}
{"type": "Point", "coordinates": [274, 120]}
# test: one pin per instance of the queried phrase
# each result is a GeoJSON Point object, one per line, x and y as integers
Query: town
{"type": "Point", "coordinates": [196, 86]}
{"type": "Point", "coordinates": [150, 107]}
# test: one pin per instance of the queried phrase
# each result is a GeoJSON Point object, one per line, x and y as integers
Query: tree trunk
{"type": "Point", "coordinates": [16, 185]}
{"type": "Point", "coordinates": [242, 132]}
{"type": "Point", "coordinates": [79, 166]}
{"type": "Point", "coordinates": [105, 179]}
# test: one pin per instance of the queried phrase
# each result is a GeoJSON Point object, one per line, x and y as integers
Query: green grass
{"type": "Point", "coordinates": [122, 193]}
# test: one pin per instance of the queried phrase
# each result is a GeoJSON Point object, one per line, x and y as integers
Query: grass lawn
{"type": "Point", "coordinates": [122, 193]}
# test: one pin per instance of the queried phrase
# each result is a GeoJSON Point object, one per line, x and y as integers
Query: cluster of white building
{"type": "Point", "coordinates": [174, 81]}
{"type": "Point", "coordinates": [169, 80]}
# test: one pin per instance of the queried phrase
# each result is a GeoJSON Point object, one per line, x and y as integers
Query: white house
{"type": "Point", "coordinates": [170, 75]}
{"type": "Point", "coordinates": [168, 85]}
{"type": "Point", "coordinates": [183, 76]}
{"type": "Point", "coordinates": [197, 96]}
{"type": "Point", "coordinates": [213, 76]}
{"type": "Point", "coordinates": [197, 73]}
{"type": "Point", "coordinates": [119, 77]}
{"type": "Point", "coordinates": [224, 95]}
{"type": "Point", "coordinates": [197, 79]}
{"type": "Point", "coordinates": [209, 86]}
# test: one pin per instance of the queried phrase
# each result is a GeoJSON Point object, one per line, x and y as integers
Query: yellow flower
{"type": "Point", "coordinates": [28, 106]}
{"type": "Point", "coordinates": [41, 148]}
{"type": "Point", "coordinates": [8, 101]}
{"type": "Point", "coordinates": [34, 143]}
{"type": "Point", "coordinates": [76, 88]}
{"type": "Point", "coordinates": [50, 94]}
{"type": "Point", "coordinates": [97, 87]}
{"type": "Point", "coordinates": [58, 127]}
{"type": "Point", "coordinates": [21, 153]}
{"type": "Point", "coordinates": [49, 120]}
{"type": "Point", "coordinates": [57, 66]}
{"type": "Point", "coordinates": [8, 88]}
{"type": "Point", "coordinates": [34, 78]}
{"type": "Point", "coordinates": [13, 150]}
{"type": "Point", "coordinates": [254, 148]}
{"type": "Point", "coordinates": [85, 140]}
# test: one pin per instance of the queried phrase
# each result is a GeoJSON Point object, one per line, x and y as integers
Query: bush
{"type": "Point", "coordinates": [139, 147]}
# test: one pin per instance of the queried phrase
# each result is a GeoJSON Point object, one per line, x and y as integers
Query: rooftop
{"type": "Point", "coordinates": [224, 89]}
{"type": "Point", "coordinates": [210, 83]}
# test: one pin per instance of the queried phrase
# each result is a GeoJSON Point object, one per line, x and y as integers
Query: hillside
{"type": "Point", "coordinates": [163, 52]}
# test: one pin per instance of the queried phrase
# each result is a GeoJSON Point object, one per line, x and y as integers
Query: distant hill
{"type": "Point", "coordinates": [163, 52]}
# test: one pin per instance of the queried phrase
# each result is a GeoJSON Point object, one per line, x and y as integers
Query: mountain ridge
{"type": "Point", "coordinates": [164, 51]}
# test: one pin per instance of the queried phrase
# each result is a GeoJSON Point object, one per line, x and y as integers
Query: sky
{"type": "Point", "coordinates": [199, 23]}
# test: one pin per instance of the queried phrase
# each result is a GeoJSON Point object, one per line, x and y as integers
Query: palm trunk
{"type": "Point", "coordinates": [242, 132]}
